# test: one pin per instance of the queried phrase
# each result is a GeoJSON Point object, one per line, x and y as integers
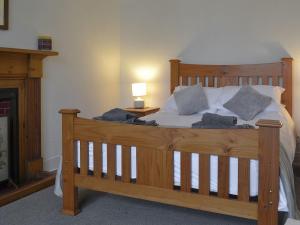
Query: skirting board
{"type": "Point", "coordinates": [51, 164]}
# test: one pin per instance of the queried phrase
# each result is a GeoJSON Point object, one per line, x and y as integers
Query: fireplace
{"type": "Point", "coordinates": [9, 137]}
{"type": "Point", "coordinates": [21, 72]}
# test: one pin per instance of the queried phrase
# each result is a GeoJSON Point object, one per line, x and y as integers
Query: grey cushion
{"type": "Point", "coordinates": [191, 100]}
{"type": "Point", "coordinates": [247, 103]}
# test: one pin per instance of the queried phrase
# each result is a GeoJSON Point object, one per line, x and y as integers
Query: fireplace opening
{"type": "Point", "coordinates": [9, 137]}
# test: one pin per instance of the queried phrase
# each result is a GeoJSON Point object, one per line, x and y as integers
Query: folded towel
{"type": "Point", "coordinates": [215, 119]}
{"type": "Point", "coordinates": [202, 125]}
{"type": "Point", "coordinates": [116, 114]}
{"type": "Point", "coordinates": [120, 115]}
{"type": "Point", "coordinates": [142, 122]}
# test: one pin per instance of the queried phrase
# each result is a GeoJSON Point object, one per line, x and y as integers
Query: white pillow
{"type": "Point", "coordinates": [212, 95]}
{"type": "Point", "coordinates": [274, 92]}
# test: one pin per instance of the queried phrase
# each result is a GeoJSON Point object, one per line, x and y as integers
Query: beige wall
{"type": "Point", "coordinates": [86, 74]}
{"type": "Point", "coordinates": [206, 31]}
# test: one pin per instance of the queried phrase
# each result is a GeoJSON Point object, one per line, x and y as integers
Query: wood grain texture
{"type": "Point", "coordinates": [33, 114]}
{"type": "Point", "coordinates": [175, 63]}
{"type": "Point", "coordinates": [20, 51]}
{"type": "Point", "coordinates": [84, 158]}
{"type": "Point", "coordinates": [70, 191]}
{"type": "Point", "coordinates": [126, 164]}
{"type": "Point", "coordinates": [97, 159]}
{"type": "Point", "coordinates": [239, 143]}
{"type": "Point", "coordinates": [204, 172]}
{"type": "Point", "coordinates": [185, 171]}
{"type": "Point", "coordinates": [287, 73]}
{"type": "Point", "coordinates": [143, 112]}
{"type": "Point", "coordinates": [154, 168]}
{"type": "Point", "coordinates": [268, 192]}
{"type": "Point", "coordinates": [223, 177]}
{"type": "Point", "coordinates": [244, 179]}
{"type": "Point", "coordinates": [184, 199]}
{"type": "Point", "coordinates": [111, 161]}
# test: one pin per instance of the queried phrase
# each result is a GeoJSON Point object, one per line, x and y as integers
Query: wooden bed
{"type": "Point", "coordinates": [156, 145]}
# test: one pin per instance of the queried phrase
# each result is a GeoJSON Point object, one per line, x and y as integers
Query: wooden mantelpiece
{"type": "Point", "coordinates": [23, 69]}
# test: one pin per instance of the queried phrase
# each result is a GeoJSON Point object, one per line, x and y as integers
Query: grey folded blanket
{"type": "Point", "coordinates": [122, 116]}
{"type": "Point", "coordinates": [215, 121]}
{"type": "Point", "coordinates": [211, 118]}
{"type": "Point", "coordinates": [116, 114]}
{"type": "Point", "coordinates": [203, 125]}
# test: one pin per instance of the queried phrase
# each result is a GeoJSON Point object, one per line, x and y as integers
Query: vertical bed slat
{"type": "Point", "coordinates": [84, 158]}
{"type": "Point", "coordinates": [204, 172]}
{"type": "Point", "coordinates": [202, 80]}
{"type": "Point", "coordinates": [275, 81]}
{"type": "Point", "coordinates": [245, 80]}
{"type": "Point", "coordinates": [111, 161]}
{"type": "Point", "coordinates": [97, 159]}
{"type": "Point", "coordinates": [185, 80]}
{"type": "Point", "coordinates": [244, 179]}
{"type": "Point", "coordinates": [126, 164]}
{"type": "Point", "coordinates": [194, 80]}
{"type": "Point", "coordinates": [169, 165]}
{"type": "Point", "coordinates": [211, 81]}
{"type": "Point", "coordinates": [223, 176]}
{"type": "Point", "coordinates": [185, 167]}
{"type": "Point", "coordinates": [265, 80]}
{"type": "Point", "coordinates": [254, 80]}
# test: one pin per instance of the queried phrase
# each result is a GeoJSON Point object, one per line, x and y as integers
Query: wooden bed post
{"type": "Point", "coordinates": [287, 74]}
{"type": "Point", "coordinates": [268, 194]}
{"type": "Point", "coordinates": [70, 192]}
{"type": "Point", "coordinates": [175, 71]}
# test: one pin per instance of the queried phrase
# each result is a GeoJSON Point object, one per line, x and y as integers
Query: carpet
{"type": "Point", "coordinates": [43, 208]}
{"type": "Point", "coordinates": [292, 222]}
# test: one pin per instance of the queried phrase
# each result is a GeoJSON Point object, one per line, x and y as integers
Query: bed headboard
{"type": "Point", "coordinates": [276, 74]}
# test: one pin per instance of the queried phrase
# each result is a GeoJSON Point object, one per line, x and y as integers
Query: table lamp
{"type": "Point", "coordinates": [139, 90]}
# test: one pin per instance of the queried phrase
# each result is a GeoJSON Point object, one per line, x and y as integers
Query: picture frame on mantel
{"type": "Point", "coordinates": [4, 9]}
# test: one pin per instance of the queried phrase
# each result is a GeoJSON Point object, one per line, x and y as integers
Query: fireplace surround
{"type": "Point", "coordinates": [21, 70]}
{"type": "Point", "coordinates": [9, 135]}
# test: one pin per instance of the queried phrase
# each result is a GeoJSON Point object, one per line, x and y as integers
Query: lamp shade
{"type": "Point", "coordinates": [139, 89]}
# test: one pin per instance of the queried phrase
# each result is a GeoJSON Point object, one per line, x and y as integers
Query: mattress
{"type": "Point", "coordinates": [166, 119]}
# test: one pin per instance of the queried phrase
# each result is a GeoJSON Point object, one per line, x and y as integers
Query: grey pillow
{"type": "Point", "coordinates": [247, 103]}
{"type": "Point", "coordinates": [191, 100]}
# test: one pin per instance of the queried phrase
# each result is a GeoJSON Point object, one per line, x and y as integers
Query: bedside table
{"type": "Point", "coordinates": [143, 112]}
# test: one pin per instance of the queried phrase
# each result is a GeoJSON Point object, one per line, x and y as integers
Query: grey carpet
{"type": "Point", "coordinates": [43, 208]}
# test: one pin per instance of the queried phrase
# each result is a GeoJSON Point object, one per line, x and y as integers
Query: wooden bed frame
{"type": "Point", "coordinates": [156, 145]}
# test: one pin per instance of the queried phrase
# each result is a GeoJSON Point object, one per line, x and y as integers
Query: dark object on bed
{"type": "Point", "coordinates": [120, 115]}
{"type": "Point", "coordinates": [212, 118]}
{"type": "Point", "coordinates": [116, 114]}
{"type": "Point", "coordinates": [215, 121]}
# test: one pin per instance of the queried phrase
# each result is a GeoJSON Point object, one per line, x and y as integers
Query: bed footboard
{"type": "Point", "coordinates": [155, 148]}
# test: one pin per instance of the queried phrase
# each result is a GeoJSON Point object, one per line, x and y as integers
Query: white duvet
{"type": "Point", "coordinates": [167, 119]}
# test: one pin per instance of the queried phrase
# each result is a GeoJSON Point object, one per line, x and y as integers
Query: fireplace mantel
{"type": "Point", "coordinates": [23, 69]}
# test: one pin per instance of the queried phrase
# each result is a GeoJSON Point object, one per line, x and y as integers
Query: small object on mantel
{"type": "Point", "coordinates": [143, 112]}
{"type": "Point", "coordinates": [45, 43]}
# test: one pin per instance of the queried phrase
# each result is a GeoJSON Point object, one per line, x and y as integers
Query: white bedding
{"type": "Point", "coordinates": [287, 137]}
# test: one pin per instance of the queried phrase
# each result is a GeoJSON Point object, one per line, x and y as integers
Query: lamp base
{"type": "Point", "coordinates": [139, 104]}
